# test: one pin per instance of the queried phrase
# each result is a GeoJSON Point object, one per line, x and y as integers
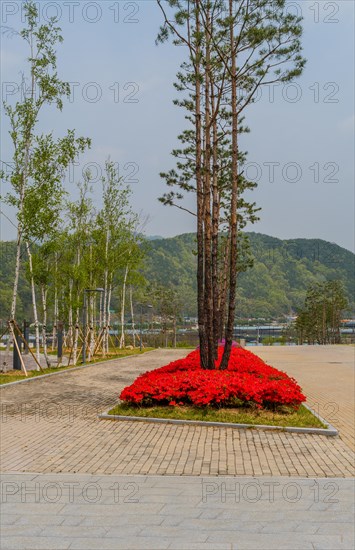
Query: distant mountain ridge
{"type": "Point", "coordinates": [250, 233]}
{"type": "Point", "coordinates": [276, 285]}
{"type": "Point", "coordinates": [154, 237]}
{"type": "Point", "coordinates": [278, 281]}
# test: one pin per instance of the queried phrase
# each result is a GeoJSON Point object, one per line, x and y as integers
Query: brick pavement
{"type": "Point", "coordinates": [50, 425]}
{"type": "Point", "coordinates": [326, 373]}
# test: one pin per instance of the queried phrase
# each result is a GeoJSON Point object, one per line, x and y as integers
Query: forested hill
{"type": "Point", "coordinates": [275, 285]}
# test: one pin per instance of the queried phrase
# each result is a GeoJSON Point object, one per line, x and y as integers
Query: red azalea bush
{"type": "Point", "coordinates": [248, 380]}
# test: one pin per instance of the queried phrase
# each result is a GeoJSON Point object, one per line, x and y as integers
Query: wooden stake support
{"type": "Point", "coordinates": [26, 344]}
{"type": "Point", "coordinates": [112, 342]}
{"type": "Point", "coordinates": [17, 347]}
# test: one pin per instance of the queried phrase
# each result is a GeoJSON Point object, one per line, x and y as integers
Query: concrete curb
{"type": "Point", "coordinates": [330, 431]}
{"type": "Point", "coordinates": [330, 428]}
{"type": "Point", "coordinates": [71, 369]}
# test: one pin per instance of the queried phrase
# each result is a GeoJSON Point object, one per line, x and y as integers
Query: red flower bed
{"type": "Point", "coordinates": [248, 380]}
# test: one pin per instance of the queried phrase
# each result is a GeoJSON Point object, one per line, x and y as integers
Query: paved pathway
{"type": "Point", "coordinates": [50, 430]}
{"type": "Point", "coordinates": [51, 425]}
{"type": "Point", "coordinates": [148, 512]}
{"type": "Point", "coordinates": [326, 373]}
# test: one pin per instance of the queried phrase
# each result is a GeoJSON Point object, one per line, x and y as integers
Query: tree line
{"type": "Point", "coordinates": [318, 322]}
{"type": "Point", "coordinates": [70, 245]}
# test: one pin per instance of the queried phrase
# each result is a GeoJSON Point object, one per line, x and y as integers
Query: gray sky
{"type": "Point", "coordinates": [302, 136]}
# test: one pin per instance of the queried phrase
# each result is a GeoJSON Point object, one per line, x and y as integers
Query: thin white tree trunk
{"type": "Point", "coordinates": [132, 316]}
{"type": "Point", "coordinates": [15, 287]}
{"type": "Point", "coordinates": [105, 297]}
{"type": "Point", "coordinates": [56, 312]}
{"type": "Point", "coordinates": [70, 316]}
{"type": "Point", "coordinates": [17, 272]}
{"type": "Point", "coordinates": [34, 303]}
{"type": "Point", "coordinates": [109, 296]}
{"type": "Point", "coordinates": [55, 321]}
{"type": "Point", "coordinates": [100, 311]}
{"type": "Point", "coordinates": [174, 340]}
{"type": "Point", "coordinates": [123, 305]}
{"type": "Point", "coordinates": [76, 333]}
{"type": "Point", "coordinates": [44, 292]}
{"type": "Point", "coordinates": [22, 198]}
{"type": "Point", "coordinates": [91, 343]}
{"type": "Point", "coordinates": [76, 338]}
{"type": "Point", "coordinates": [104, 316]}
{"type": "Point", "coordinates": [166, 333]}
{"type": "Point", "coordinates": [92, 333]}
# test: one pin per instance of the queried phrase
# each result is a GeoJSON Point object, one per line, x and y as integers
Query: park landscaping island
{"type": "Point", "coordinates": [248, 391]}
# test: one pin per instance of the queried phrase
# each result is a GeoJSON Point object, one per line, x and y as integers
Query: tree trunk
{"type": "Point", "coordinates": [24, 169]}
{"type": "Point", "coordinates": [166, 332]}
{"type": "Point", "coordinates": [91, 303]}
{"type": "Point", "coordinates": [22, 198]}
{"type": "Point", "coordinates": [76, 337]}
{"type": "Point", "coordinates": [15, 287]}
{"type": "Point", "coordinates": [132, 316]}
{"type": "Point", "coordinates": [70, 339]}
{"type": "Point", "coordinates": [55, 312]}
{"type": "Point", "coordinates": [55, 318]}
{"type": "Point", "coordinates": [44, 292]}
{"type": "Point", "coordinates": [91, 341]}
{"type": "Point", "coordinates": [215, 228]}
{"type": "Point", "coordinates": [200, 204]}
{"type": "Point", "coordinates": [123, 304]}
{"type": "Point", "coordinates": [77, 316]}
{"type": "Point", "coordinates": [223, 284]}
{"type": "Point", "coordinates": [208, 297]}
{"type": "Point", "coordinates": [105, 296]}
{"type": "Point", "coordinates": [109, 295]}
{"type": "Point", "coordinates": [17, 272]}
{"type": "Point", "coordinates": [104, 313]}
{"type": "Point", "coordinates": [234, 193]}
{"type": "Point", "coordinates": [34, 303]}
{"type": "Point", "coordinates": [174, 327]}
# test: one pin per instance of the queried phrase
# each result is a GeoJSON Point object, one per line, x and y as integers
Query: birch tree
{"type": "Point", "coordinates": [79, 235]}
{"type": "Point", "coordinates": [41, 276]}
{"type": "Point", "coordinates": [133, 257]}
{"type": "Point", "coordinates": [34, 197]}
{"type": "Point", "coordinates": [118, 232]}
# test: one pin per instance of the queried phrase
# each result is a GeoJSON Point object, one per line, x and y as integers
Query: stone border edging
{"type": "Point", "coordinates": [330, 431]}
{"type": "Point", "coordinates": [71, 369]}
{"type": "Point", "coordinates": [330, 428]}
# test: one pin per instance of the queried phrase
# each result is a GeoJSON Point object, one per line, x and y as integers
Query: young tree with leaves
{"type": "Point", "coordinates": [38, 160]}
{"type": "Point", "coordinates": [77, 264]}
{"type": "Point", "coordinates": [118, 236]}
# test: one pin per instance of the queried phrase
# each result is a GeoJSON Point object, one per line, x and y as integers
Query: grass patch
{"type": "Point", "coordinates": [120, 353]}
{"type": "Point", "coordinates": [14, 376]}
{"type": "Point", "coordinates": [285, 417]}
